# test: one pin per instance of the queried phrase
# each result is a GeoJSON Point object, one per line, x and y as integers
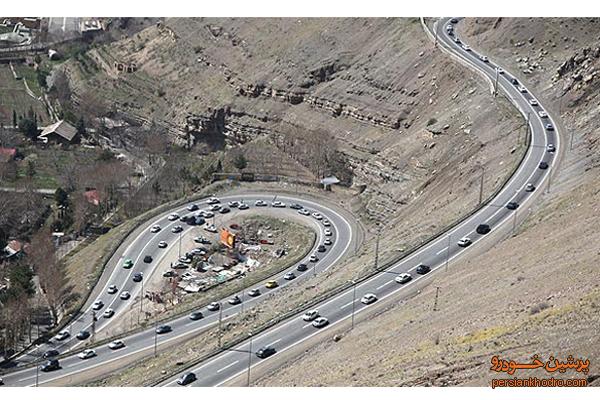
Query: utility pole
{"type": "Point", "coordinates": [141, 301]}
{"type": "Point", "coordinates": [481, 185]}
{"type": "Point", "coordinates": [220, 321]}
{"type": "Point", "coordinates": [448, 253]}
{"type": "Point", "coordinates": [353, 301]}
{"type": "Point", "coordinates": [496, 84]}
{"type": "Point", "coordinates": [180, 244]}
{"type": "Point", "coordinates": [94, 319]}
{"type": "Point", "coordinates": [435, 303]}
{"type": "Point", "coordinates": [249, 361]}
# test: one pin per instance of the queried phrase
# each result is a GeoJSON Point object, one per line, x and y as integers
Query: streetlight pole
{"type": "Point", "coordinates": [141, 301]}
{"type": "Point", "coordinates": [179, 245]}
{"type": "Point", "coordinates": [496, 84]}
{"type": "Point", "coordinates": [249, 361]}
{"type": "Point", "coordinates": [353, 301]}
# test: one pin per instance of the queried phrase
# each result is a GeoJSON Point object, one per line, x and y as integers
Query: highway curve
{"type": "Point", "coordinates": [292, 332]}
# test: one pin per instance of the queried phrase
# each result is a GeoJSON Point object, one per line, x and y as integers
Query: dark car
{"type": "Point", "coordinates": [296, 206]}
{"type": "Point", "coordinates": [51, 365]}
{"type": "Point", "coordinates": [549, 127]}
{"type": "Point", "coordinates": [543, 165]}
{"type": "Point", "coordinates": [192, 207]}
{"type": "Point", "coordinates": [483, 229]}
{"type": "Point", "coordinates": [265, 352]}
{"type": "Point", "coordinates": [513, 205]}
{"type": "Point", "coordinates": [321, 249]}
{"type": "Point", "coordinates": [514, 81]}
{"type": "Point", "coordinates": [454, 20]}
{"type": "Point", "coordinates": [196, 315]}
{"type": "Point", "coordinates": [186, 218]}
{"type": "Point", "coordinates": [423, 269]}
{"type": "Point", "coordinates": [163, 329]}
{"type": "Point", "coordinates": [302, 267]}
{"type": "Point", "coordinates": [148, 259]}
{"type": "Point", "coordinates": [186, 379]}
{"type": "Point", "coordinates": [170, 274]}
{"type": "Point", "coordinates": [137, 277]}
{"type": "Point", "coordinates": [51, 353]}
{"type": "Point", "coordinates": [83, 335]}
{"type": "Point", "coordinates": [224, 210]}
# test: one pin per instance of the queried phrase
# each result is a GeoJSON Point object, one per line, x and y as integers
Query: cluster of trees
{"type": "Point", "coordinates": [27, 124]}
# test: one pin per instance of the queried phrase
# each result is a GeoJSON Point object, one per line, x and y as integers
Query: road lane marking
{"type": "Point", "coordinates": [274, 343]}
{"type": "Point", "coordinates": [347, 304]}
{"type": "Point", "coordinates": [227, 366]}
{"type": "Point", "coordinates": [441, 251]}
{"type": "Point", "coordinates": [384, 285]}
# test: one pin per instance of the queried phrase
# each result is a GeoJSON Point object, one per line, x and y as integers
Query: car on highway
{"type": "Point", "coordinates": [449, 27]}
{"type": "Point", "coordinates": [368, 298]}
{"type": "Point", "coordinates": [196, 315]}
{"type": "Point", "coordinates": [483, 229]}
{"type": "Point", "coordinates": [82, 335]}
{"type": "Point", "coordinates": [224, 210]}
{"type": "Point", "coordinates": [192, 207]}
{"type": "Point", "coordinates": [265, 352]}
{"type": "Point", "coordinates": [50, 365]}
{"type": "Point", "coordinates": [327, 232]}
{"type": "Point", "coordinates": [289, 276]}
{"type": "Point", "coordinates": [173, 217]}
{"type": "Point", "coordinates": [549, 127]}
{"type": "Point", "coordinates": [530, 187]}
{"type": "Point", "coordinates": [550, 148]}
{"type": "Point", "coordinates": [454, 20]}
{"type": "Point", "coordinates": [98, 304]}
{"type": "Point", "coordinates": [321, 248]}
{"type": "Point", "coordinates": [177, 229]}
{"type": "Point", "coordinates": [465, 47]}
{"type": "Point", "coordinates": [213, 200]}
{"type": "Point", "coordinates": [422, 269]}
{"type": "Point", "coordinates": [464, 242]}
{"type": "Point", "coordinates": [317, 216]}
{"type": "Point", "coordinates": [543, 114]}
{"type": "Point", "coordinates": [310, 315]}
{"type": "Point", "coordinates": [112, 289]}
{"type": "Point", "coordinates": [484, 59]}
{"type": "Point", "coordinates": [522, 89]}
{"type": "Point", "coordinates": [457, 40]}
{"type": "Point", "coordinates": [137, 277]}
{"type": "Point", "coordinates": [326, 223]}
{"type": "Point", "coordinates": [162, 244]}
{"type": "Point", "coordinates": [186, 379]}
{"type": "Point", "coordinates": [512, 205]}
{"type": "Point", "coordinates": [233, 204]}
{"type": "Point", "coordinates": [272, 284]}
{"type": "Point", "coordinates": [500, 70]}
{"type": "Point", "coordinates": [88, 353]}
{"type": "Point", "coordinates": [147, 259]}
{"type": "Point", "coordinates": [327, 242]}
{"type": "Point", "coordinates": [202, 240]}
{"type": "Point", "coordinates": [254, 292]}
{"type": "Point", "coordinates": [207, 214]}
{"type": "Point", "coordinates": [260, 203]}
{"type": "Point", "coordinates": [243, 206]}
{"type": "Point", "coordinates": [543, 165]}
{"type": "Point", "coordinates": [301, 267]}
{"type": "Point", "coordinates": [163, 329]}
{"type": "Point", "coordinates": [128, 263]}
{"type": "Point", "coordinates": [278, 204]}
{"type": "Point", "coordinates": [235, 300]}
{"type": "Point", "coordinates": [155, 229]}
{"type": "Point", "coordinates": [304, 211]}
{"type": "Point", "coordinates": [533, 102]}
{"type": "Point", "coordinates": [116, 344]}
{"type": "Point", "coordinates": [313, 258]}
{"type": "Point", "coordinates": [50, 353]}
{"type": "Point", "coordinates": [214, 306]}
{"type": "Point", "coordinates": [109, 312]}
{"type": "Point", "coordinates": [296, 206]}
{"type": "Point", "coordinates": [320, 322]}
{"type": "Point", "coordinates": [125, 295]}
{"type": "Point", "coordinates": [403, 277]}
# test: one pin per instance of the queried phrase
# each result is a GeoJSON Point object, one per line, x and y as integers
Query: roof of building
{"type": "Point", "coordinates": [330, 180]}
{"type": "Point", "coordinates": [14, 247]}
{"type": "Point", "coordinates": [61, 128]}
{"type": "Point", "coordinates": [7, 154]}
{"type": "Point", "coordinates": [92, 196]}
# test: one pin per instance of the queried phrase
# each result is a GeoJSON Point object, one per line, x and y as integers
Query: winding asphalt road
{"type": "Point", "coordinates": [228, 365]}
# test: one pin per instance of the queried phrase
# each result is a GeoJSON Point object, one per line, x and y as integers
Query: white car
{"type": "Point", "coordinates": [549, 127]}
{"type": "Point", "coordinates": [214, 306]}
{"type": "Point", "coordinates": [109, 312]}
{"type": "Point", "coordinates": [317, 216]}
{"type": "Point", "coordinates": [210, 228]}
{"type": "Point", "coordinates": [260, 203]}
{"type": "Point", "coordinates": [310, 315]}
{"type": "Point", "coordinates": [500, 70]}
{"type": "Point", "coordinates": [289, 276]}
{"type": "Point", "coordinates": [403, 278]}
{"type": "Point", "coordinates": [551, 148]}
{"type": "Point", "coordinates": [213, 200]}
{"type": "Point", "coordinates": [214, 207]}
{"type": "Point", "coordinates": [173, 217]}
{"type": "Point", "coordinates": [326, 222]}
{"type": "Point", "coordinates": [176, 229]}
{"type": "Point", "coordinates": [233, 204]}
{"type": "Point", "coordinates": [112, 289]}
{"type": "Point", "coordinates": [533, 102]}
{"type": "Point", "coordinates": [484, 58]}
{"type": "Point", "coordinates": [530, 187]}
{"type": "Point", "coordinates": [320, 322]}
{"type": "Point", "coordinates": [368, 298]}
{"type": "Point", "coordinates": [466, 48]}
{"type": "Point", "coordinates": [327, 242]}
{"type": "Point", "coordinates": [116, 344]}
{"type": "Point", "coordinates": [522, 89]}
{"type": "Point", "coordinates": [89, 353]}
{"type": "Point", "coordinates": [457, 40]}
{"type": "Point", "coordinates": [62, 335]}
{"type": "Point", "coordinates": [278, 204]}
{"type": "Point", "coordinates": [327, 232]}
{"type": "Point", "coordinates": [243, 206]}
{"type": "Point", "coordinates": [125, 295]}
{"type": "Point", "coordinates": [162, 244]}
{"type": "Point", "coordinates": [98, 304]}
{"type": "Point", "coordinates": [207, 214]}
{"type": "Point", "coordinates": [464, 242]}
{"type": "Point", "coordinates": [304, 212]}
{"type": "Point", "coordinates": [313, 258]}
{"type": "Point", "coordinates": [155, 229]}
{"type": "Point", "coordinates": [543, 114]}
